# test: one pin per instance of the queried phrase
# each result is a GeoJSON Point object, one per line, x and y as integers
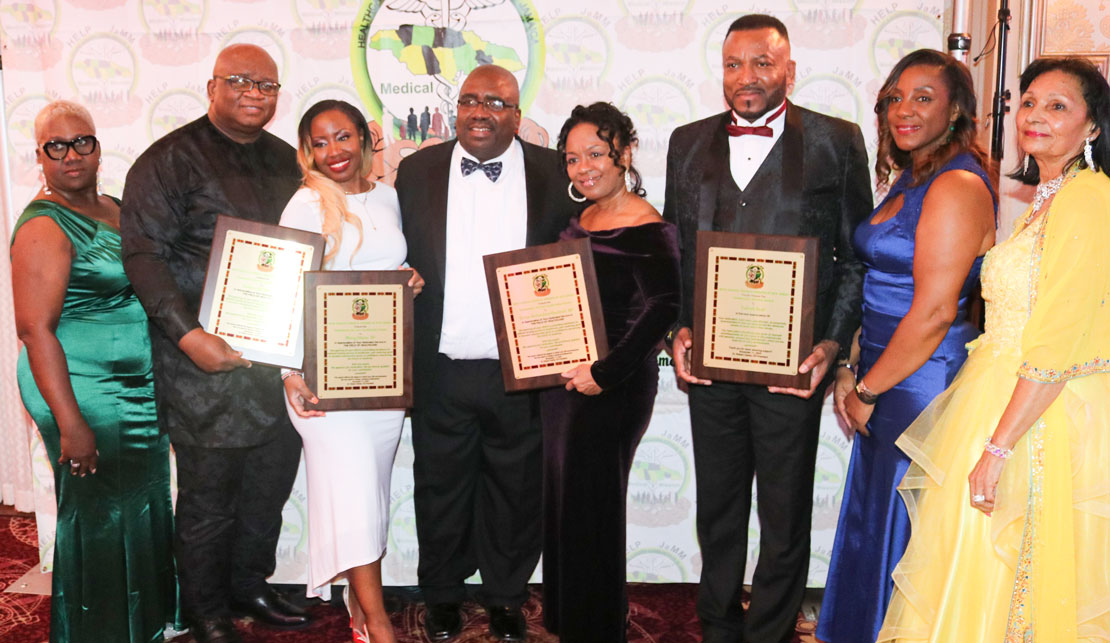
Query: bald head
{"type": "Point", "coordinates": [483, 132]}
{"type": "Point", "coordinates": [235, 56]}
{"type": "Point", "coordinates": [241, 115]}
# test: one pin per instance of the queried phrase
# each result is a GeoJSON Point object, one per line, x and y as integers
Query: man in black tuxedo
{"type": "Point", "coordinates": [768, 167]}
{"type": "Point", "coordinates": [477, 467]}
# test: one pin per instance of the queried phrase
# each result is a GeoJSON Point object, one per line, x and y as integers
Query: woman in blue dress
{"type": "Point", "coordinates": [923, 247]}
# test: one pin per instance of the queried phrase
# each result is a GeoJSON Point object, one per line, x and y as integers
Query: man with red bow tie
{"type": "Point", "coordinates": [766, 166]}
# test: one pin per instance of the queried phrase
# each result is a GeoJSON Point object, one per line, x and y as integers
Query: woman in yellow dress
{"type": "Point", "coordinates": [1018, 549]}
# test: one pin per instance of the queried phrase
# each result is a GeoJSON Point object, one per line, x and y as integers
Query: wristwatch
{"type": "Point", "coordinates": [865, 394]}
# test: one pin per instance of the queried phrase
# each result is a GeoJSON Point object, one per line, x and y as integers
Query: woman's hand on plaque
{"type": "Point", "coordinates": [417, 282]}
{"type": "Point", "coordinates": [297, 392]}
{"type": "Point", "coordinates": [581, 379]}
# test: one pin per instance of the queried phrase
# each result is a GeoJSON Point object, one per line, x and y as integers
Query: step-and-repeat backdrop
{"type": "Point", "coordinates": [140, 66]}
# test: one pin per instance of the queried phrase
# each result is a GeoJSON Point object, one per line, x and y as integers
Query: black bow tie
{"type": "Point", "coordinates": [491, 170]}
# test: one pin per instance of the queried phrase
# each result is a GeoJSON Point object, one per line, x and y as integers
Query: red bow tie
{"type": "Point", "coordinates": [758, 130]}
{"type": "Point", "coordinates": [741, 130]}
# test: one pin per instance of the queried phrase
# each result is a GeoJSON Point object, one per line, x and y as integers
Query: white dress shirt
{"type": "Point", "coordinates": [483, 217]}
{"type": "Point", "coordinates": [746, 153]}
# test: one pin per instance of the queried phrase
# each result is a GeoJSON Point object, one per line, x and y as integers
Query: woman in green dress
{"type": "Point", "coordinates": [85, 378]}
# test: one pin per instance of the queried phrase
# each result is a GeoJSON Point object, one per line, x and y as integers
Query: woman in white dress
{"type": "Point", "coordinates": [348, 454]}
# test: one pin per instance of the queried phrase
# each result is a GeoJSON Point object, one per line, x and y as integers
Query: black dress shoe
{"type": "Point", "coordinates": [286, 605]}
{"type": "Point", "coordinates": [214, 630]}
{"type": "Point", "coordinates": [268, 608]}
{"type": "Point", "coordinates": [442, 621]}
{"type": "Point", "coordinates": [507, 623]}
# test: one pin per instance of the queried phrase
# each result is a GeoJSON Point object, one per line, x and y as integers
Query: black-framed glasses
{"type": "Point", "coordinates": [492, 104]}
{"type": "Point", "coordinates": [57, 149]}
{"type": "Point", "coordinates": [242, 84]}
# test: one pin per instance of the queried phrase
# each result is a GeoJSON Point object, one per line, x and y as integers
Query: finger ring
{"type": "Point", "coordinates": [74, 464]}
{"type": "Point", "coordinates": [978, 498]}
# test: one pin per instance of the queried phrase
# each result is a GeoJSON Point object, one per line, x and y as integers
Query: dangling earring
{"type": "Point", "coordinates": [45, 185]}
{"type": "Point", "coordinates": [1025, 165]}
{"type": "Point", "coordinates": [1089, 155]}
{"type": "Point", "coordinates": [570, 193]}
{"type": "Point", "coordinates": [628, 183]}
{"type": "Point", "coordinates": [951, 131]}
{"type": "Point", "coordinates": [99, 183]}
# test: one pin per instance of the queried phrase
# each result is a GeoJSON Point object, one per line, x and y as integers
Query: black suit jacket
{"type": "Point", "coordinates": [422, 191]}
{"type": "Point", "coordinates": [823, 191]}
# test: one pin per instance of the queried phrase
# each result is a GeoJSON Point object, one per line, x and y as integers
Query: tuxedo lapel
{"type": "Point", "coordinates": [715, 163]}
{"type": "Point", "coordinates": [435, 229]}
{"type": "Point", "coordinates": [792, 169]}
{"type": "Point", "coordinates": [534, 192]}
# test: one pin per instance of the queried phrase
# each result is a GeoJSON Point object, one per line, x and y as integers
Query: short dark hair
{"type": "Point", "coordinates": [754, 21]}
{"type": "Point", "coordinates": [1096, 94]}
{"type": "Point", "coordinates": [614, 127]}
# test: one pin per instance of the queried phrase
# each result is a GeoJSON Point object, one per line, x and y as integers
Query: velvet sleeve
{"type": "Point", "coordinates": [1068, 331]}
{"type": "Point", "coordinates": [657, 277]}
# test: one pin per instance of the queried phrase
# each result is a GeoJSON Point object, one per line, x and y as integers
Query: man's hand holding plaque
{"type": "Point", "coordinates": [754, 303]}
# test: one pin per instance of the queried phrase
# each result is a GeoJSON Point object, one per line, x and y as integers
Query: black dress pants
{"type": "Point", "coordinates": [741, 430]}
{"type": "Point", "coordinates": [477, 474]}
{"type": "Point", "coordinates": [229, 503]}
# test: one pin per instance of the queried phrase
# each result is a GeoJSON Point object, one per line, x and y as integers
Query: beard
{"type": "Point", "coordinates": [751, 108]}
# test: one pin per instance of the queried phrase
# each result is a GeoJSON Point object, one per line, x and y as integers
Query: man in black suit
{"type": "Point", "coordinates": [477, 467]}
{"type": "Point", "coordinates": [769, 167]}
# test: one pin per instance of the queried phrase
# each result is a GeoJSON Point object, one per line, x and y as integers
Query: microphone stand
{"type": "Point", "coordinates": [1001, 94]}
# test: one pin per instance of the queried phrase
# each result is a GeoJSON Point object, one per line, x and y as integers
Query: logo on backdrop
{"type": "Point", "coordinates": [656, 104]}
{"type": "Point", "coordinates": [900, 33]}
{"type": "Point", "coordinates": [402, 555]}
{"type": "Point", "coordinates": [655, 25]}
{"type": "Point", "coordinates": [826, 24]}
{"type": "Point", "coordinates": [29, 29]}
{"type": "Point", "coordinates": [172, 109]}
{"type": "Point", "coordinates": [103, 71]}
{"type": "Point", "coordinates": [830, 94]}
{"type": "Point", "coordinates": [577, 62]}
{"type": "Point", "coordinates": [293, 541]}
{"type": "Point", "coordinates": [324, 28]}
{"type": "Point", "coordinates": [658, 482]}
{"type": "Point", "coordinates": [661, 564]}
{"type": "Point", "coordinates": [410, 62]}
{"type": "Point", "coordinates": [830, 474]}
{"type": "Point", "coordinates": [174, 31]}
{"type": "Point", "coordinates": [21, 126]}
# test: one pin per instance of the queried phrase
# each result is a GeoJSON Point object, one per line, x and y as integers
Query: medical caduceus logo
{"type": "Point", "coordinates": [410, 57]}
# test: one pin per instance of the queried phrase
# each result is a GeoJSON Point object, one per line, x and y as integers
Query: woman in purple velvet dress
{"type": "Point", "coordinates": [593, 425]}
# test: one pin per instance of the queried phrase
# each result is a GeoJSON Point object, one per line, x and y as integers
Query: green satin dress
{"type": "Point", "coordinates": [114, 577]}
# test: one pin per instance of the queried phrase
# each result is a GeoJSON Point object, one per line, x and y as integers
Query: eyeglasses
{"type": "Point", "coordinates": [242, 84]}
{"type": "Point", "coordinates": [57, 150]}
{"type": "Point", "coordinates": [492, 104]}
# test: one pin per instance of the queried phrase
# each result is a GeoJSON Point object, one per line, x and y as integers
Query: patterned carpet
{"type": "Point", "coordinates": [660, 613]}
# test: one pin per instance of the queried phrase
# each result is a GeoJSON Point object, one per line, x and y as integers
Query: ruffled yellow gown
{"type": "Point", "coordinates": [1037, 569]}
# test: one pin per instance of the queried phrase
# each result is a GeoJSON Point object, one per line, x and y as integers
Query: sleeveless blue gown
{"type": "Point", "coordinates": [873, 528]}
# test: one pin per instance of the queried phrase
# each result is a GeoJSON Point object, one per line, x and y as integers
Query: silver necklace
{"type": "Point", "coordinates": [362, 198]}
{"type": "Point", "coordinates": [1046, 190]}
